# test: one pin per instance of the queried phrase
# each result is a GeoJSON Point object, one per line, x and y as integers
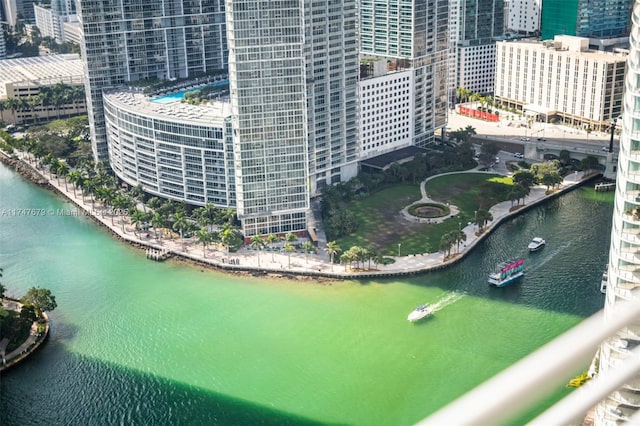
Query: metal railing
{"type": "Point", "coordinates": [512, 392]}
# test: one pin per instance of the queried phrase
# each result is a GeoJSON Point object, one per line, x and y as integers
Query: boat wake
{"type": "Point", "coordinates": [547, 255]}
{"type": "Point", "coordinates": [447, 300]}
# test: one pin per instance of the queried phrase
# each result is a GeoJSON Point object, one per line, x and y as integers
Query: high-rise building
{"type": "Point", "coordinates": [409, 36]}
{"type": "Point", "coordinates": [268, 97]}
{"type": "Point", "coordinates": [594, 19]}
{"type": "Point", "coordinates": [292, 122]}
{"type": "Point", "coordinates": [50, 19]}
{"type": "Point", "coordinates": [523, 16]}
{"type": "Point", "coordinates": [331, 76]}
{"type": "Point", "coordinates": [293, 68]}
{"type": "Point", "coordinates": [145, 40]}
{"type": "Point", "coordinates": [624, 264]}
{"type": "Point", "coordinates": [473, 34]}
{"type": "Point", "coordinates": [15, 10]}
{"type": "Point", "coordinates": [561, 80]}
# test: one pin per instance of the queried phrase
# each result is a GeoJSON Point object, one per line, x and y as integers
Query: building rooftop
{"type": "Point", "coordinates": [41, 71]}
{"type": "Point", "coordinates": [573, 46]}
{"type": "Point", "coordinates": [211, 112]}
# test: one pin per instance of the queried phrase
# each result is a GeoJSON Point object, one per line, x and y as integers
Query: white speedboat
{"type": "Point", "coordinates": [604, 280]}
{"type": "Point", "coordinates": [419, 313]}
{"type": "Point", "coordinates": [536, 244]}
{"type": "Point", "coordinates": [507, 272]}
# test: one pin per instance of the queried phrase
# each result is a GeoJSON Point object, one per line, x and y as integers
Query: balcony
{"type": "Point", "coordinates": [519, 388]}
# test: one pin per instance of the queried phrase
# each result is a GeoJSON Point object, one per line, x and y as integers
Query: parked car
{"type": "Point", "coordinates": [605, 148]}
{"type": "Point", "coordinates": [518, 155]}
{"type": "Point", "coordinates": [525, 139]}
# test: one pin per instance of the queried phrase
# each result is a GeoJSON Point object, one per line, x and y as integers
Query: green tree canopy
{"type": "Point", "coordinates": [41, 299]}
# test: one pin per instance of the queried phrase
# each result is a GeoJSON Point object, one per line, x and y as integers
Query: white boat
{"type": "Point", "coordinates": [419, 313]}
{"type": "Point", "coordinates": [536, 244]}
{"type": "Point", "coordinates": [604, 280]}
{"type": "Point", "coordinates": [507, 272]}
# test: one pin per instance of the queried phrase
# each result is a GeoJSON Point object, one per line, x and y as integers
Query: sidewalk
{"type": "Point", "coordinates": [516, 128]}
{"type": "Point", "coordinates": [314, 265]}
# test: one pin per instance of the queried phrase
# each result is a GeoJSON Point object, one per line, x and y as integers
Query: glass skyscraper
{"type": "Point", "coordinates": [596, 19]}
{"type": "Point", "coordinates": [474, 30]}
{"type": "Point", "coordinates": [146, 39]}
{"type": "Point", "coordinates": [293, 87]}
{"type": "Point", "coordinates": [416, 33]}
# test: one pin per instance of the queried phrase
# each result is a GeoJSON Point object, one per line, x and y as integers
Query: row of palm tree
{"type": "Point", "coordinates": [208, 224]}
{"type": "Point", "coordinates": [465, 95]}
{"type": "Point", "coordinates": [357, 255]}
{"type": "Point", "coordinates": [450, 239]}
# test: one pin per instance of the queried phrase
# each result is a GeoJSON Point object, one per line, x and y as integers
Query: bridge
{"type": "Point", "coordinates": [548, 149]}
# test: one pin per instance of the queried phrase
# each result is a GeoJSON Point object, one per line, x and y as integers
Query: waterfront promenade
{"type": "Point", "coordinates": [33, 342]}
{"type": "Point", "coordinates": [279, 263]}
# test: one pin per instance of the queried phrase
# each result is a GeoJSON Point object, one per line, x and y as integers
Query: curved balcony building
{"type": "Point", "coordinates": [624, 254]}
{"type": "Point", "coordinates": [174, 150]}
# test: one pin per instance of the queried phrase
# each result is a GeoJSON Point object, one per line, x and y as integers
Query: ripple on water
{"type": "Point", "coordinates": [138, 342]}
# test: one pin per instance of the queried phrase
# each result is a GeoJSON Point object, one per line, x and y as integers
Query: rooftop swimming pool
{"type": "Point", "coordinates": [178, 96]}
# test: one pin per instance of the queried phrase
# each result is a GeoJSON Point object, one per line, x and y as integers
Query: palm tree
{"type": "Point", "coordinates": [63, 170]}
{"type": "Point", "coordinates": [154, 203]}
{"type": "Point", "coordinates": [48, 161]}
{"type": "Point", "coordinates": [482, 217]}
{"type": "Point", "coordinates": [469, 131]}
{"type": "Point", "coordinates": [75, 177]}
{"type": "Point", "coordinates": [347, 258]}
{"type": "Point", "coordinates": [179, 224]}
{"type": "Point", "coordinates": [121, 204]}
{"type": "Point", "coordinates": [332, 248]}
{"type": "Point", "coordinates": [446, 242]}
{"type": "Point", "coordinates": [474, 97]}
{"type": "Point", "coordinates": [207, 214]}
{"type": "Point", "coordinates": [138, 217]}
{"type": "Point", "coordinates": [257, 243]}
{"type": "Point", "coordinates": [459, 236]}
{"type": "Point", "coordinates": [372, 254]}
{"type": "Point", "coordinates": [227, 237]}
{"type": "Point", "coordinates": [203, 237]}
{"type": "Point", "coordinates": [289, 248]}
{"type": "Point", "coordinates": [157, 221]}
{"type": "Point", "coordinates": [107, 196]}
{"type": "Point", "coordinates": [227, 216]}
{"type": "Point", "coordinates": [308, 247]}
{"type": "Point", "coordinates": [137, 192]}
{"type": "Point", "coordinates": [271, 239]}
{"type": "Point", "coordinates": [88, 188]}
{"type": "Point", "coordinates": [520, 192]}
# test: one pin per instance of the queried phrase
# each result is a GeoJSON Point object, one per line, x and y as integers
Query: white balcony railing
{"type": "Point", "coordinates": [514, 391]}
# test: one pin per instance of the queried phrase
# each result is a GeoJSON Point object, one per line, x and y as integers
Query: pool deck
{"type": "Point", "coordinates": [138, 103]}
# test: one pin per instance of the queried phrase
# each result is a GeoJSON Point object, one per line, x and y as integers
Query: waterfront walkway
{"type": "Point", "coordinates": [32, 343]}
{"type": "Point", "coordinates": [275, 262]}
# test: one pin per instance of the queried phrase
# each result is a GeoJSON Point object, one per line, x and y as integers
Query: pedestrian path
{"type": "Point", "coordinates": [28, 346]}
{"type": "Point", "coordinates": [318, 265]}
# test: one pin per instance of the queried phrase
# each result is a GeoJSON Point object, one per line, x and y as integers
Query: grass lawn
{"type": "Point", "coordinates": [381, 224]}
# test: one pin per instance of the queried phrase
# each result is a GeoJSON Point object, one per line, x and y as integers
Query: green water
{"type": "Point", "coordinates": [139, 342]}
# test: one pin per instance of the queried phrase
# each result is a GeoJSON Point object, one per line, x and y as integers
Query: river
{"type": "Point", "coordinates": [139, 342]}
